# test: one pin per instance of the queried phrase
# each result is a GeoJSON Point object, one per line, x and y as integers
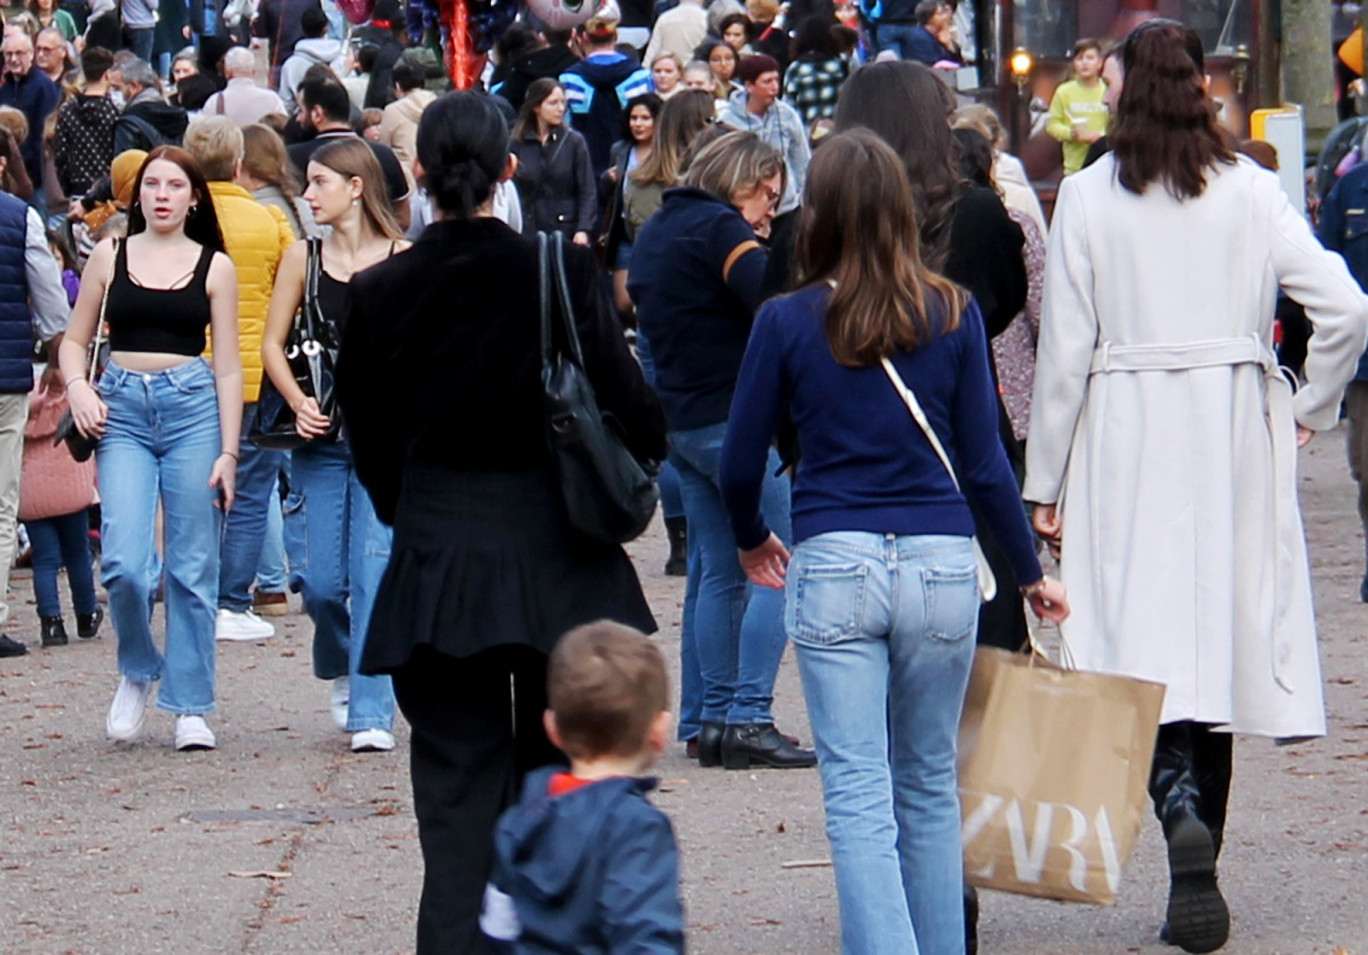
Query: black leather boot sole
{"type": "Point", "coordinates": [761, 745]}
{"type": "Point", "coordinates": [710, 744]}
{"type": "Point", "coordinates": [1198, 920]}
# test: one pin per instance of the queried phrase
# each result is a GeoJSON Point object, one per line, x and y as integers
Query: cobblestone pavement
{"type": "Point", "coordinates": [282, 840]}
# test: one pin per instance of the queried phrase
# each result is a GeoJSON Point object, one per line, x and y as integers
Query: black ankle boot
{"type": "Point", "coordinates": [760, 744]}
{"type": "Point", "coordinates": [54, 631]}
{"type": "Point", "coordinates": [971, 914]}
{"type": "Point", "coordinates": [677, 565]}
{"type": "Point", "coordinates": [710, 744]}
{"type": "Point", "coordinates": [88, 624]}
{"type": "Point", "coordinates": [1198, 919]}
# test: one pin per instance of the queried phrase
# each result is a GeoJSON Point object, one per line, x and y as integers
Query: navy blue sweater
{"type": "Point", "coordinates": [866, 466]}
{"type": "Point", "coordinates": [696, 320]}
{"type": "Point", "coordinates": [595, 870]}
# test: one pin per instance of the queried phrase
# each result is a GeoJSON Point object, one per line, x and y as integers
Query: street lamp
{"type": "Point", "coordinates": [1021, 64]}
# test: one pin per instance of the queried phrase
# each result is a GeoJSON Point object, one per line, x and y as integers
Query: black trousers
{"type": "Point", "coordinates": [477, 731]}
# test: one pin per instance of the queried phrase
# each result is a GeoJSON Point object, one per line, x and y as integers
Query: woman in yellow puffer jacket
{"type": "Point", "coordinates": [256, 237]}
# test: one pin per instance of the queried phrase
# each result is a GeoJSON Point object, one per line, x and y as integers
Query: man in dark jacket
{"type": "Point", "coordinates": [599, 87]}
{"type": "Point", "coordinates": [83, 145]}
{"type": "Point", "coordinates": [278, 21]}
{"type": "Point", "coordinates": [550, 61]}
{"type": "Point", "coordinates": [147, 120]}
{"type": "Point", "coordinates": [26, 89]}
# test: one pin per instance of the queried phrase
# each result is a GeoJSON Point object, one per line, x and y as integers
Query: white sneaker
{"type": "Point", "coordinates": [127, 712]}
{"type": "Point", "coordinates": [241, 625]}
{"type": "Point", "coordinates": [341, 700]}
{"type": "Point", "coordinates": [193, 733]}
{"type": "Point", "coordinates": [372, 741]}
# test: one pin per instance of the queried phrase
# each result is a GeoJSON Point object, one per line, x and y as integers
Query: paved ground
{"type": "Point", "coordinates": [283, 841]}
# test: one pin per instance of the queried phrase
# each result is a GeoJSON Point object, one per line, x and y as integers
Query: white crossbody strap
{"type": "Point", "coordinates": [987, 582]}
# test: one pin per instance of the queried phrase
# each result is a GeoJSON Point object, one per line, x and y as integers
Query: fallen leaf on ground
{"type": "Point", "coordinates": [259, 874]}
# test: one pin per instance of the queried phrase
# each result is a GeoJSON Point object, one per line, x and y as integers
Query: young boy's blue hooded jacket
{"type": "Point", "coordinates": [595, 870]}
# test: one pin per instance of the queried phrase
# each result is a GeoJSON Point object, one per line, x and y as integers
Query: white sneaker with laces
{"type": "Point", "coordinates": [372, 741]}
{"type": "Point", "coordinates": [126, 714]}
{"type": "Point", "coordinates": [340, 701]}
{"type": "Point", "coordinates": [241, 625]}
{"type": "Point", "coordinates": [193, 733]}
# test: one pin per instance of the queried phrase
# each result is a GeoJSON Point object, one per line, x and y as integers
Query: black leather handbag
{"type": "Point", "coordinates": [311, 350]}
{"type": "Point", "coordinates": [609, 495]}
{"type": "Point", "coordinates": [82, 446]}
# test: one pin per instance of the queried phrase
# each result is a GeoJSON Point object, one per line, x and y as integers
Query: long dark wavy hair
{"type": "Point", "coordinates": [908, 108]}
{"type": "Point", "coordinates": [203, 226]}
{"type": "Point", "coordinates": [858, 230]}
{"type": "Point", "coordinates": [1166, 130]}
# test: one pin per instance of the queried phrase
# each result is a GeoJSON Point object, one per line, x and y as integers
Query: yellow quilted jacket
{"type": "Point", "coordinates": [257, 236]}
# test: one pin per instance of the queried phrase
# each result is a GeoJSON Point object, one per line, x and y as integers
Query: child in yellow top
{"type": "Point", "coordinates": [1078, 114]}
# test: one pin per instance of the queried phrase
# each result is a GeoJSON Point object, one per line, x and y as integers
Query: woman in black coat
{"type": "Point", "coordinates": [439, 381]}
{"type": "Point", "coordinates": [555, 177]}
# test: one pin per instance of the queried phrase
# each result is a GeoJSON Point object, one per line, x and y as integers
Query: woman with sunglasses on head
{"type": "Point", "coordinates": [346, 546]}
{"type": "Point", "coordinates": [697, 269]}
{"type": "Point", "coordinates": [168, 427]}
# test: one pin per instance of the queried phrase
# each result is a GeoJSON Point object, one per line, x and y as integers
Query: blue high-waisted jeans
{"type": "Point", "coordinates": [160, 443]}
{"type": "Point", "coordinates": [884, 631]}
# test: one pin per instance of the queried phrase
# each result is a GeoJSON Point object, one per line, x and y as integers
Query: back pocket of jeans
{"type": "Point", "coordinates": [825, 602]}
{"type": "Point", "coordinates": [952, 602]}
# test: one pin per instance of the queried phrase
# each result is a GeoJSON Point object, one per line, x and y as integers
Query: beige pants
{"type": "Point", "coordinates": [13, 417]}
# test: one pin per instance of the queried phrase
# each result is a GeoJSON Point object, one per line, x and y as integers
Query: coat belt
{"type": "Point", "coordinates": [1109, 358]}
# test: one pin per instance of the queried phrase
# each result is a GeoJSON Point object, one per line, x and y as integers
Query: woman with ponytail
{"type": "Point", "coordinates": [1162, 446]}
{"type": "Point", "coordinates": [440, 384]}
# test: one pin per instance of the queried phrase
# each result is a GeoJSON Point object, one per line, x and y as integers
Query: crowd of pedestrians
{"type": "Point", "coordinates": [299, 299]}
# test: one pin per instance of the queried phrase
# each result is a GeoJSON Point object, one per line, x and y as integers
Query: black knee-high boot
{"type": "Point", "coordinates": [1211, 761]}
{"type": "Point", "coordinates": [1198, 920]}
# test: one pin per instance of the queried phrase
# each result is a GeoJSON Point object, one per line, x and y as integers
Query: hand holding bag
{"type": "Point", "coordinates": [608, 494]}
{"type": "Point", "coordinates": [311, 350]}
{"type": "Point", "coordinates": [1054, 764]}
{"type": "Point", "coordinates": [82, 446]}
{"type": "Point", "coordinates": [987, 583]}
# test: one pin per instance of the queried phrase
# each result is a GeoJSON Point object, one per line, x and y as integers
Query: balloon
{"type": "Point", "coordinates": [356, 11]}
{"type": "Point", "coordinates": [562, 14]}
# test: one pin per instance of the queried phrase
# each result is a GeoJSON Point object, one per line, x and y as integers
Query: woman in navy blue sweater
{"type": "Point", "coordinates": [881, 598]}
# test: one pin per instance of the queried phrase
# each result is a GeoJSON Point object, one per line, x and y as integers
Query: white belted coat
{"type": "Point", "coordinates": [1165, 433]}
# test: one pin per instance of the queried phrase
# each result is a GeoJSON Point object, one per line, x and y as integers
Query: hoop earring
{"type": "Point", "coordinates": [194, 210]}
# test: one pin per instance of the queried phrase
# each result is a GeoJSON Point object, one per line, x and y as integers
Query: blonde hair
{"type": "Point", "coordinates": [216, 143]}
{"type": "Point", "coordinates": [352, 158]}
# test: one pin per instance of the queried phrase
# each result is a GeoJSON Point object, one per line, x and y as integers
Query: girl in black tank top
{"type": "Point", "coordinates": [347, 192]}
{"type": "Point", "coordinates": [164, 418]}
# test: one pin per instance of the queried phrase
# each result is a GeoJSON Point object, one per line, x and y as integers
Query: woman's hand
{"type": "Point", "coordinates": [87, 409]}
{"type": "Point", "coordinates": [766, 565]}
{"type": "Point", "coordinates": [580, 238]}
{"type": "Point", "coordinates": [310, 422]}
{"type": "Point", "coordinates": [1046, 522]}
{"type": "Point", "coordinates": [224, 477]}
{"type": "Point", "coordinates": [1304, 436]}
{"type": "Point", "coordinates": [1048, 600]}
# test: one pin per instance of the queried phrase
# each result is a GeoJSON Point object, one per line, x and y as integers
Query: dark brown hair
{"type": "Point", "coordinates": [1082, 45]}
{"type": "Point", "coordinates": [687, 114]}
{"type": "Point", "coordinates": [906, 106]}
{"type": "Point", "coordinates": [203, 226]}
{"type": "Point", "coordinates": [538, 92]}
{"type": "Point", "coordinates": [1166, 129]}
{"type": "Point", "coordinates": [606, 683]}
{"type": "Point", "coordinates": [859, 230]}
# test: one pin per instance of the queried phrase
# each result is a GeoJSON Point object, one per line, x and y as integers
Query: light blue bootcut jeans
{"type": "Point", "coordinates": [884, 631]}
{"type": "Point", "coordinates": [345, 552]}
{"type": "Point", "coordinates": [738, 629]}
{"type": "Point", "coordinates": [161, 439]}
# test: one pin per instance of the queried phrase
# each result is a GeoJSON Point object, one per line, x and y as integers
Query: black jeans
{"type": "Point", "coordinates": [477, 731]}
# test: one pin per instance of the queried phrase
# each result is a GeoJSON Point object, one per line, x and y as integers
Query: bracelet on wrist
{"type": "Point", "coordinates": [75, 380]}
{"type": "Point", "coordinates": [229, 454]}
{"type": "Point", "coordinates": [1030, 590]}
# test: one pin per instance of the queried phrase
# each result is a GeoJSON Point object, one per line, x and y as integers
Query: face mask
{"type": "Point", "coordinates": [117, 98]}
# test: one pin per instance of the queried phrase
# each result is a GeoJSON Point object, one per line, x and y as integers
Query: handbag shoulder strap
{"type": "Point", "coordinates": [544, 297]}
{"type": "Point", "coordinates": [313, 314]}
{"type": "Point", "coordinates": [553, 282]}
{"type": "Point", "coordinates": [919, 416]}
{"type": "Point", "coordinates": [567, 309]}
{"type": "Point", "coordinates": [98, 343]}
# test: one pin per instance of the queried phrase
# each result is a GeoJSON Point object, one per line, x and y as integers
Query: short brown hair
{"type": "Point", "coordinates": [606, 683]}
{"type": "Point", "coordinates": [1083, 44]}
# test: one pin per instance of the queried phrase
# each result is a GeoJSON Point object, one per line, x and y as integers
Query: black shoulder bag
{"type": "Point", "coordinates": [608, 494]}
{"type": "Point", "coordinates": [82, 446]}
{"type": "Point", "coordinates": [311, 350]}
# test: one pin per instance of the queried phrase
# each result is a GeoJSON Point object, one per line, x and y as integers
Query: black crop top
{"type": "Point", "coordinates": [158, 320]}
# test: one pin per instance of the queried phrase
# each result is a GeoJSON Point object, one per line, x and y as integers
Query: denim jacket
{"type": "Point", "coordinates": [1344, 229]}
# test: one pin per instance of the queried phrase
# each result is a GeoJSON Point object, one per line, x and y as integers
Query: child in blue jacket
{"type": "Point", "coordinates": [584, 863]}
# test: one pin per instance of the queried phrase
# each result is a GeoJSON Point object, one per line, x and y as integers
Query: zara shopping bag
{"type": "Point", "coordinates": [1053, 769]}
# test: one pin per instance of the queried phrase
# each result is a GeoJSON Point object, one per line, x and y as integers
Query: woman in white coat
{"type": "Point", "coordinates": [1162, 447]}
